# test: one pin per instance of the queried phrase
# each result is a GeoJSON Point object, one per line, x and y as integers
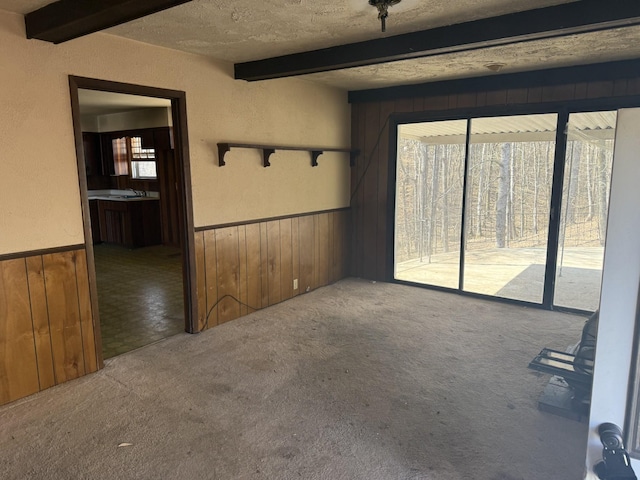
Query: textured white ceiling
{"type": "Point", "coordinates": [610, 45]}
{"type": "Point", "coordinates": [244, 30]}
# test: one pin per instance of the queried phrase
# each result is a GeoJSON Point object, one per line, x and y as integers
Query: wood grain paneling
{"type": "Point", "coordinates": [47, 333]}
{"type": "Point", "coordinates": [356, 126]}
{"type": "Point", "coordinates": [210, 278]}
{"type": "Point", "coordinates": [558, 93]}
{"type": "Point", "coordinates": [64, 316]}
{"type": "Point", "coordinates": [307, 253]}
{"type": "Point", "coordinates": [84, 308]}
{"type": "Point", "coordinates": [242, 271]}
{"type": "Point", "coordinates": [40, 317]}
{"type": "Point", "coordinates": [340, 243]}
{"type": "Point", "coordinates": [496, 97]}
{"type": "Point", "coordinates": [370, 184]}
{"type": "Point", "coordinates": [273, 262]}
{"type": "Point", "coordinates": [323, 246]}
{"type": "Point", "coordinates": [295, 252]}
{"type": "Point", "coordinates": [257, 263]}
{"type": "Point", "coordinates": [286, 260]}
{"type": "Point", "coordinates": [228, 271]}
{"type": "Point", "coordinates": [516, 96]}
{"type": "Point", "coordinates": [19, 370]}
{"type": "Point", "coordinates": [254, 267]}
{"type": "Point", "coordinates": [386, 109]}
{"type": "Point", "coordinates": [439, 102]}
{"type": "Point", "coordinates": [200, 279]}
{"type": "Point", "coordinates": [264, 265]}
{"type": "Point", "coordinates": [370, 195]}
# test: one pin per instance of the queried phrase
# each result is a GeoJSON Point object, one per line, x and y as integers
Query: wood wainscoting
{"type": "Point", "coordinates": [47, 334]}
{"type": "Point", "coordinates": [245, 267]}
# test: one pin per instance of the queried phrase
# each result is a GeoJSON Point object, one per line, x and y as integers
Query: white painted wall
{"type": "Point", "coordinates": [620, 284]}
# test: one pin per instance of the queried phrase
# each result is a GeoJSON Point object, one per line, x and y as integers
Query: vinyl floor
{"type": "Point", "coordinates": [140, 296]}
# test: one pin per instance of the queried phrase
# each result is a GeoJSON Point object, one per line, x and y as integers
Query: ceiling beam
{"type": "Point", "coordinates": [68, 19]}
{"type": "Point", "coordinates": [549, 22]}
{"type": "Point", "coordinates": [595, 72]}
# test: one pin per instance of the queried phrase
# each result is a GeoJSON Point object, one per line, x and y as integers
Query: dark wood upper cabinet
{"type": "Point", "coordinates": [147, 136]}
{"type": "Point", "coordinates": [92, 153]}
{"type": "Point", "coordinates": [107, 154]}
{"type": "Point", "coordinates": [162, 138]}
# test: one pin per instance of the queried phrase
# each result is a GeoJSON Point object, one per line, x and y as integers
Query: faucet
{"type": "Point", "coordinates": [139, 193]}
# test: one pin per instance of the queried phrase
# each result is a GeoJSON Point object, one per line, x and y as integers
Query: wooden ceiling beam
{"type": "Point", "coordinates": [549, 22]}
{"type": "Point", "coordinates": [68, 19]}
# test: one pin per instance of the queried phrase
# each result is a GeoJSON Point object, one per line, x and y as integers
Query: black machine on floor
{"type": "Point", "coordinates": [576, 369]}
{"type": "Point", "coordinates": [615, 464]}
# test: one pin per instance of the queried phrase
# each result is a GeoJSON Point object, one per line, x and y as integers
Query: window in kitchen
{"type": "Point", "coordinates": [143, 160]}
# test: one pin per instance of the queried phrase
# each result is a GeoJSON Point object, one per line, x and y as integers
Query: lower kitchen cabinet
{"type": "Point", "coordinates": [134, 223]}
{"type": "Point", "coordinates": [94, 214]}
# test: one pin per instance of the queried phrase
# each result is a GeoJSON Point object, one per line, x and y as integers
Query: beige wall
{"type": "Point", "coordinates": [39, 193]}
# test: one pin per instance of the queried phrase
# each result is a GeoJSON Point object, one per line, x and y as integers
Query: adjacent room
{"type": "Point", "coordinates": [131, 171]}
{"type": "Point", "coordinates": [317, 240]}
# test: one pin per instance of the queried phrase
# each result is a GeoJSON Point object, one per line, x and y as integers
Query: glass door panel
{"type": "Point", "coordinates": [429, 192]}
{"type": "Point", "coordinates": [508, 202]}
{"type": "Point", "coordinates": [585, 203]}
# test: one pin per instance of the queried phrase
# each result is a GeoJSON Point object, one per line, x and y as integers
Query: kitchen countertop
{"type": "Point", "coordinates": [118, 198]}
{"type": "Point", "coordinates": [121, 195]}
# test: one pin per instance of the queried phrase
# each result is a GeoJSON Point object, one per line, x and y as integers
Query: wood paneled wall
{"type": "Point", "coordinates": [243, 268]}
{"type": "Point", "coordinates": [370, 134]}
{"type": "Point", "coordinates": [47, 333]}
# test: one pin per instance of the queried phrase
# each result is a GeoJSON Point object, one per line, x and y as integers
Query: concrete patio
{"type": "Point", "coordinates": [516, 273]}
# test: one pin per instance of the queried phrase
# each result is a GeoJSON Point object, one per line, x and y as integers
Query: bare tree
{"type": "Point", "coordinates": [481, 187]}
{"type": "Point", "coordinates": [575, 154]}
{"type": "Point", "coordinates": [536, 183]}
{"type": "Point", "coordinates": [503, 196]}
{"type": "Point", "coordinates": [589, 163]}
{"type": "Point", "coordinates": [444, 213]}
{"type": "Point", "coordinates": [603, 193]}
{"type": "Point", "coordinates": [431, 223]}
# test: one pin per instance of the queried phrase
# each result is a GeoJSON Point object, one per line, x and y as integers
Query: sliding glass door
{"type": "Point", "coordinates": [509, 197]}
{"type": "Point", "coordinates": [473, 206]}
{"type": "Point", "coordinates": [585, 204]}
{"type": "Point", "coordinates": [429, 192]}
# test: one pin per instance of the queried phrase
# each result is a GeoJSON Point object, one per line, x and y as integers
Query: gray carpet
{"type": "Point", "coordinates": [353, 381]}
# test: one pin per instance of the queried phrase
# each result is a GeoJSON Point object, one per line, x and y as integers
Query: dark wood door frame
{"type": "Point", "coordinates": [179, 114]}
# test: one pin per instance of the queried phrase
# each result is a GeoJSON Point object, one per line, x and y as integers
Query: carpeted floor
{"type": "Point", "coordinates": [358, 380]}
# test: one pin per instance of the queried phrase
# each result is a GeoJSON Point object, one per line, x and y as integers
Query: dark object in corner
{"type": "Point", "coordinates": [576, 369]}
{"type": "Point", "coordinates": [615, 464]}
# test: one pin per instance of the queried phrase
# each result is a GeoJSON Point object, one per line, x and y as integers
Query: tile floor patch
{"type": "Point", "coordinates": [140, 297]}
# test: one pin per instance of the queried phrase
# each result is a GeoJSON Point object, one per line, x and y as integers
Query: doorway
{"type": "Point", "coordinates": [505, 206]}
{"type": "Point", "coordinates": [136, 197]}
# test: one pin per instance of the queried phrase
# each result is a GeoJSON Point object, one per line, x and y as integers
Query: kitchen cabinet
{"type": "Point", "coordinates": [92, 153]}
{"type": "Point", "coordinates": [163, 138]}
{"type": "Point", "coordinates": [132, 223]}
{"type": "Point", "coordinates": [94, 215]}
